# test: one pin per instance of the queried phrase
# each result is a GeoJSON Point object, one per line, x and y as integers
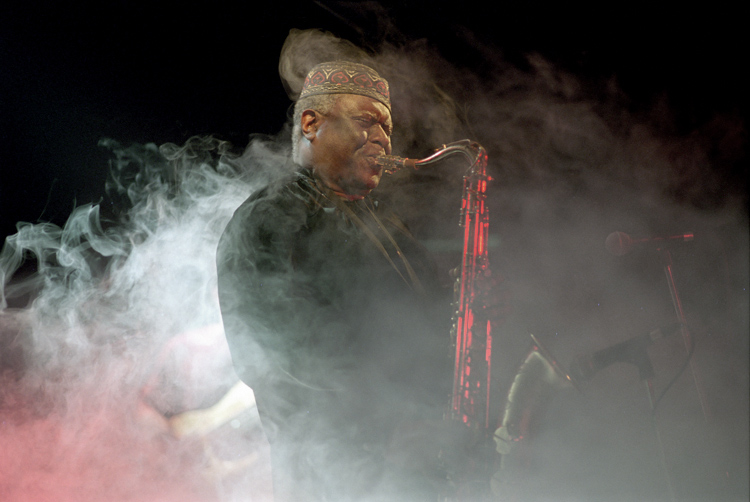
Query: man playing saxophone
{"type": "Point", "coordinates": [333, 311]}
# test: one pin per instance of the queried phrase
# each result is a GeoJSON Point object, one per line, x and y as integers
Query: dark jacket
{"type": "Point", "coordinates": [332, 305]}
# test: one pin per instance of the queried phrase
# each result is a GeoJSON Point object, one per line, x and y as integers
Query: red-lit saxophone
{"type": "Point", "coordinates": [471, 330]}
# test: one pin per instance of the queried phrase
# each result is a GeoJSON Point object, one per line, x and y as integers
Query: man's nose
{"type": "Point", "coordinates": [378, 136]}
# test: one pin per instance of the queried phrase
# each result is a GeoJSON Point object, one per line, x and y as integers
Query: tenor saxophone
{"type": "Point", "coordinates": [471, 331]}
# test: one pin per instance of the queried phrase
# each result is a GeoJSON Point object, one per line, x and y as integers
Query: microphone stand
{"type": "Point", "coordinates": [686, 336]}
{"type": "Point", "coordinates": [655, 427]}
{"type": "Point", "coordinates": [646, 373]}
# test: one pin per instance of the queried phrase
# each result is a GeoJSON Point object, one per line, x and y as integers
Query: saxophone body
{"type": "Point", "coordinates": [471, 331]}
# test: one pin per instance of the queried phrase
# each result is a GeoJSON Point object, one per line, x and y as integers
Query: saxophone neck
{"type": "Point", "coordinates": [473, 151]}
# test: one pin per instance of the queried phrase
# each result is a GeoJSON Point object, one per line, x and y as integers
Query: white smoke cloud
{"type": "Point", "coordinates": [123, 333]}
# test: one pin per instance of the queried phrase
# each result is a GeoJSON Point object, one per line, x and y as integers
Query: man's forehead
{"type": "Point", "coordinates": [356, 103]}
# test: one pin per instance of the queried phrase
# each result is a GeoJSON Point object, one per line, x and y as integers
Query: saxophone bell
{"type": "Point", "coordinates": [537, 381]}
{"type": "Point", "coordinates": [533, 387]}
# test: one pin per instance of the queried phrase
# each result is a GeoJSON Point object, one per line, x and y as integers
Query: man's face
{"type": "Point", "coordinates": [345, 142]}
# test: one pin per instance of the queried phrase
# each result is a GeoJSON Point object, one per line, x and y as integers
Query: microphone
{"type": "Point", "coordinates": [620, 243]}
{"type": "Point", "coordinates": [630, 351]}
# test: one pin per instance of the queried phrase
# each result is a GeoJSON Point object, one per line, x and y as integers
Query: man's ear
{"type": "Point", "coordinates": [309, 122]}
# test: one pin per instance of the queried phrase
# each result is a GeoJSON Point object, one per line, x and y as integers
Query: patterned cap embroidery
{"type": "Point", "coordinates": [345, 77]}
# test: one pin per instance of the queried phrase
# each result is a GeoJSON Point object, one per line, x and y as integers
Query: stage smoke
{"type": "Point", "coordinates": [111, 328]}
{"type": "Point", "coordinates": [123, 335]}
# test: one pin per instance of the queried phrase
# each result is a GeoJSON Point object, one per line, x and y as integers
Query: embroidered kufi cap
{"type": "Point", "coordinates": [345, 77]}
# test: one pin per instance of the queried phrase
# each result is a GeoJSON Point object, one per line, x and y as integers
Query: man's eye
{"type": "Point", "coordinates": [369, 122]}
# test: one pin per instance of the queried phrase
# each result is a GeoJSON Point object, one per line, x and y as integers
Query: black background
{"type": "Point", "coordinates": [71, 74]}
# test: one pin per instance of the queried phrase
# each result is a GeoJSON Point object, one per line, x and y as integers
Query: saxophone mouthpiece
{"type": "Point", "coordinates": [392, 163]}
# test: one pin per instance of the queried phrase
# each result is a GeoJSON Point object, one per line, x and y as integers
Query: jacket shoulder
{"type": "Point", "coordinates": [279, 209]}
